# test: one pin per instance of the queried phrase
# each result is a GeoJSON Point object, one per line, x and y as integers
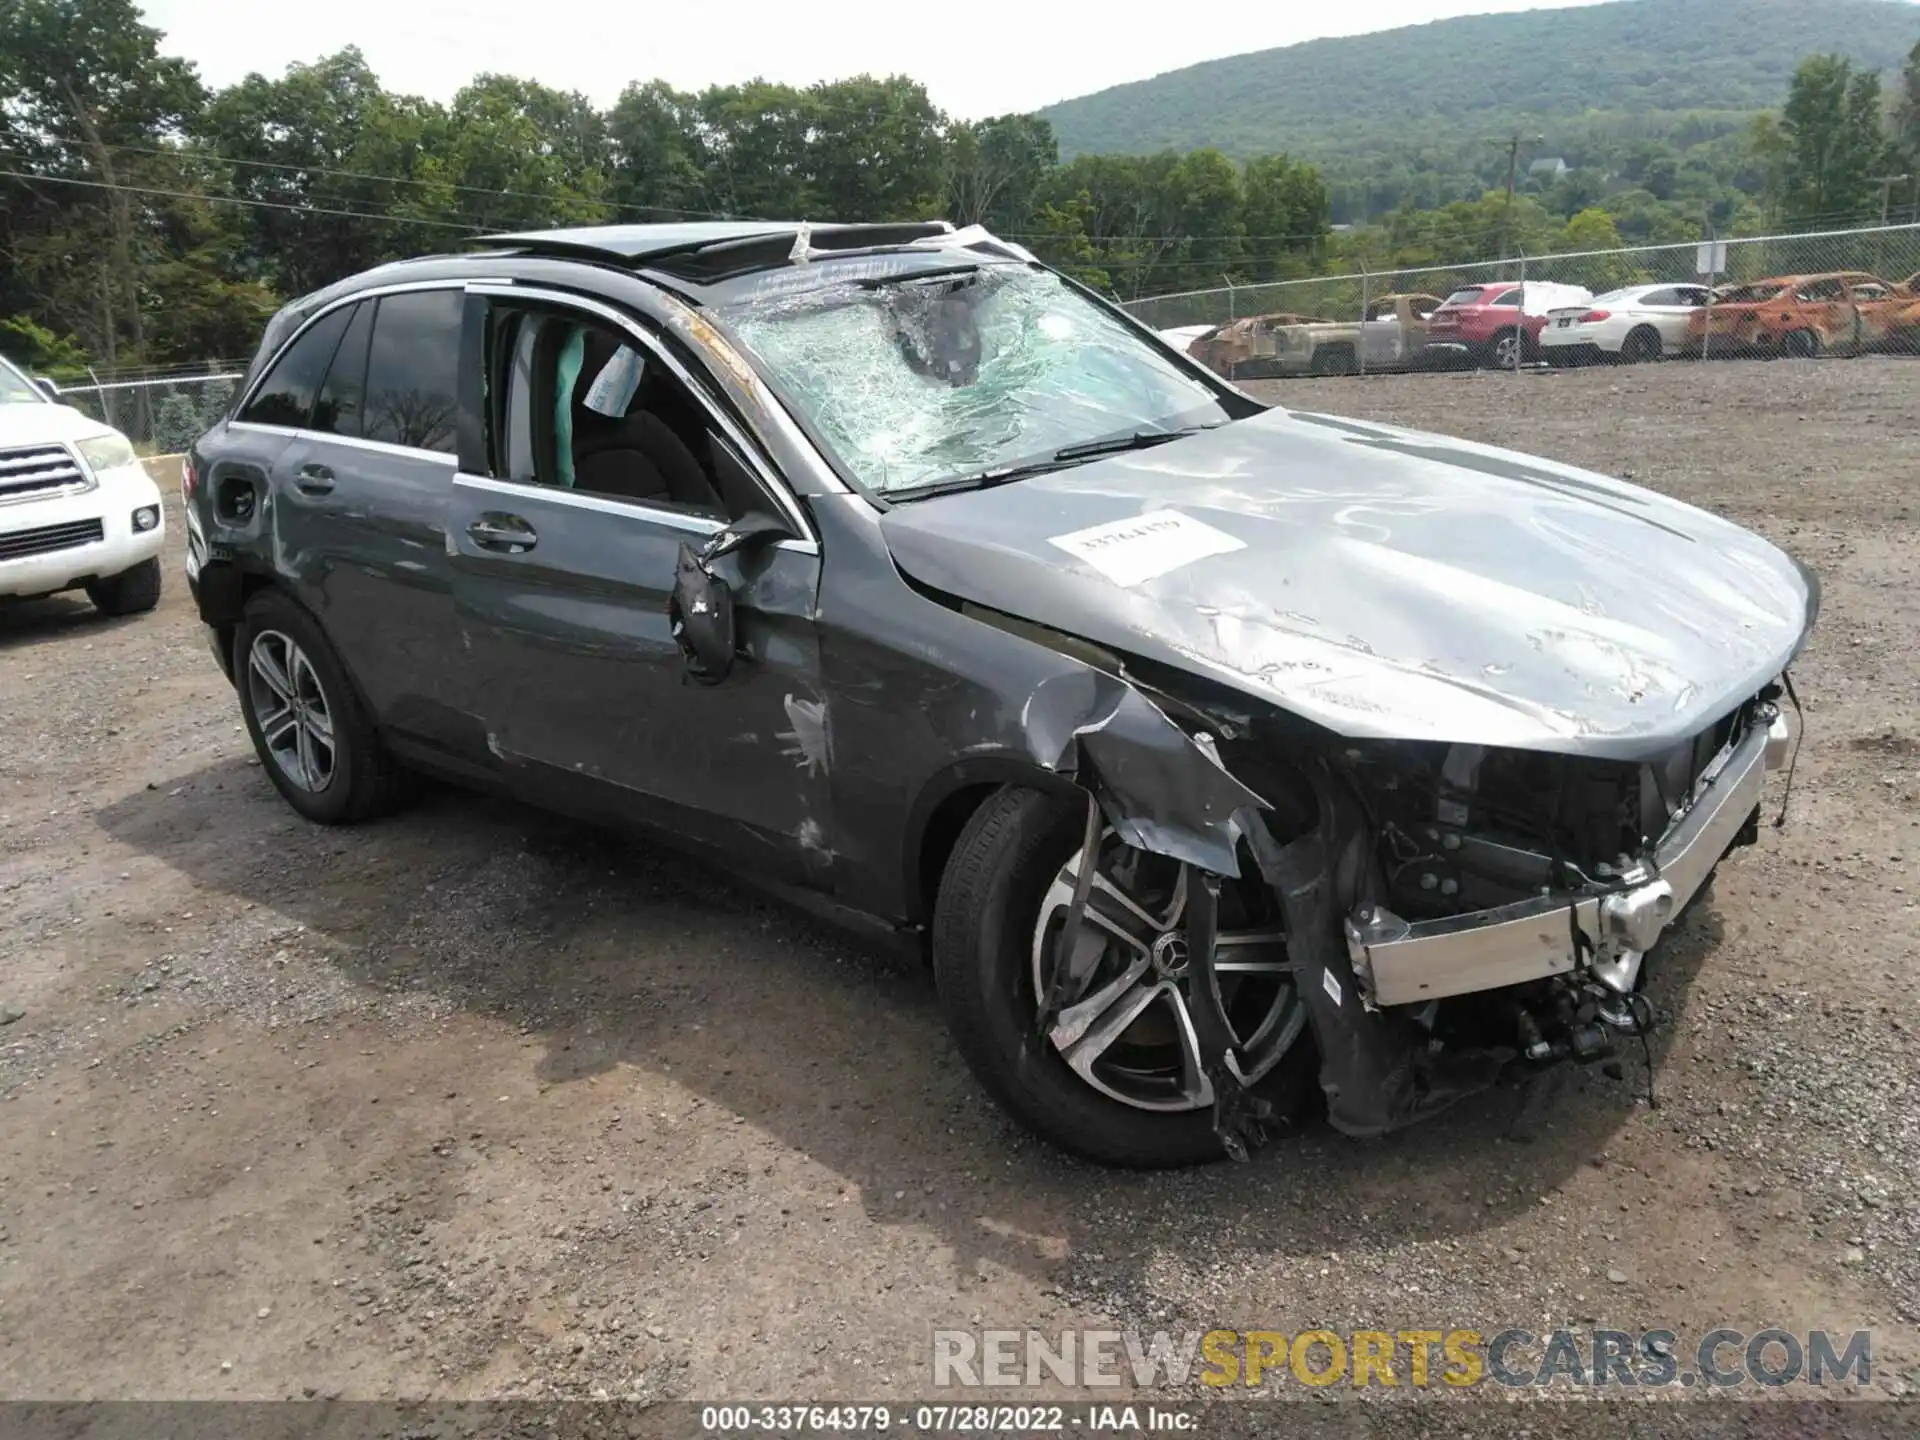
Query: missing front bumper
{"type": "Point", "coordinates": [1402, 963]}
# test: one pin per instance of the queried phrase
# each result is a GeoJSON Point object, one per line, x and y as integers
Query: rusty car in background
{"type": "Point", "coordinates": [1845, 312]}
{"type": "Point", "coordinates": [1390, 335]}
{"type": "Point", "coordinates": [1247, 349]}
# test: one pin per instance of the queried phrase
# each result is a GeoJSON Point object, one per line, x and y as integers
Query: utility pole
{"type": "Point", "coordinates": [1886, 184]}
{"type": "Point", "coordinates": [1513, 144]}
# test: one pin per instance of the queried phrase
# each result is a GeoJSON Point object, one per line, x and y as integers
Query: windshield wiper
{"type": "Point", "coordinates": [1061, 459]}
{"type": "Point", "coordinates": [1117, 444]}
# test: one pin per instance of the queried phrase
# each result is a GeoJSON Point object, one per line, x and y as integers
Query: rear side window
{"type": "Point", "coordinates": [413, 370]}
{"type": "Point", "coordinates": [343, 397]}
{"type": "Point", "coordinates": [286, 396]}
{"type": "Point", "coordinates": [1506, 297]}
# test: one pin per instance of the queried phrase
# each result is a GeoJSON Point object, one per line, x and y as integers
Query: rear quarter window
{"type": "Point", "coordinates": [286, 396]}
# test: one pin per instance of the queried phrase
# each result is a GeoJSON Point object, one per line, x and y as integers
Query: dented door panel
{"type": "Point", "coordinates": [582, 691]}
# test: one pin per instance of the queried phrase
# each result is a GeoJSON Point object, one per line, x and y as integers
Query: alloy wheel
{"type": "Point", "coordinates": [1125, 1028]}
{"type": "Point", "coordinates": [291, 709]}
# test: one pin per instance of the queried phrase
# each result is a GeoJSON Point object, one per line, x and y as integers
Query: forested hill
{"type": "Point", "coordinates": [1632, 69]}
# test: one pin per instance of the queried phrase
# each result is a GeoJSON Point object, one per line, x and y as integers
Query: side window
{"type": "Point", "coordinates": [1659, 299]}
{"type": "Point", "coordinates": [286, 396]}
{"type": "Point", "coordinates": [1825, 290]}
{"type": "Point", "coordinates": [1508, 298]}
{"type": "Point", "coordinates": [580, 405]}
{"type": "Point", "coordinates": [413, 370]}
{"type": "Point", "coordinates": [343, 396]}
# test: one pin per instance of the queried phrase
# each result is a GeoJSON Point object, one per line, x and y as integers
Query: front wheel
{"type": "Point", "coordinates": [1117, 1077]}
{"type": "Point", "coordinates": [131, 592]}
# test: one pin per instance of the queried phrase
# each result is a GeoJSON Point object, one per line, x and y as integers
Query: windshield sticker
{"type": "Point", "coordinates": [1129, 552]}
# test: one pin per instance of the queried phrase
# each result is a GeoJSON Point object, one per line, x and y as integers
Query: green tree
{"type": "Point", "coordinates": [751, 141]}
{"type": "Point", "coordinates": [1834, 144]}
{"type": "Point", "coordinates": [1063, 242]}
{"type": "Point", "coordinates": [1906, 114]}
{"type": "Point", "coordinates": [542, 154]}
{"type": "Point", "coordinates": [32, 346]}
{"type": "Point", "coordinates": [995, 169]}
{"type": "Point", "coordinates": [1286, 212]}
{"type": "Point", "coordinates": [318, 138]}
{"type": "Point", "coordinates": [87, 98]}
{"type": "Point", "coordinates": [656, 161]}
{"type": "Point", "coordinates": [875, 150]}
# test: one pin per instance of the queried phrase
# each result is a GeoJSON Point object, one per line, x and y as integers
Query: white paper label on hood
{"type": "Point", "coordinates": [1130, 551]}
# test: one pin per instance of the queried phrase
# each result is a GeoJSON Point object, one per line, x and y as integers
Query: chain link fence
{"type": "Point", "coordinates": [160, 414]}
{"type": "Point", "coordinates": [1836, 292]}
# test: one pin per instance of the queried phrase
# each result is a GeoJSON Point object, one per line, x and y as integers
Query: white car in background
{"type": "Point", "coordinates": [78, 510]}
{"type": "Point", "coordinates": [1639, 323]}
{"type": "Point", "coordinates": [1181, 337]}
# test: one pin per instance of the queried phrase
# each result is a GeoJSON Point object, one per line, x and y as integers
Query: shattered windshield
{"type": "Point", "coordinates": [922, 380]}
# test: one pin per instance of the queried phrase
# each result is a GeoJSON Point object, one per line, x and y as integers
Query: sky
{"type": "Point", "coordinates": [975, 60]}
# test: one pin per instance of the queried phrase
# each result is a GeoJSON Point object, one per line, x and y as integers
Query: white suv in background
{"type": "Point", "coordinates": [77, 508]}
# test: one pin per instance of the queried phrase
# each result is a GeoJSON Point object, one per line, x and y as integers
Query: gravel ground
{"type": "Point", "coordinates": [478, 1103]}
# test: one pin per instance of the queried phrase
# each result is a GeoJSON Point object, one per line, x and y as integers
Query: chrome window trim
{"type": "Point", "coordinates": [613, 505]}
{"type": "Point", "coordinates": [381, 447]}
{"type": "Point", "coordinates": [776, 488]}
{"type": "Point", "coordinates": [374, 292]}
{"type": "Point", "coordinates": [687, 323]}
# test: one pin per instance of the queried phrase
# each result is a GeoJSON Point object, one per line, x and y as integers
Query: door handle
{"type": "Point", "coordinates": [314, 479]}
{"type": "Point", "coordinates": [508, 533]}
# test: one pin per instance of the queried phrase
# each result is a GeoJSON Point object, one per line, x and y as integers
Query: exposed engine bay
{"type": "Point", "coordinates": [1449, 909]}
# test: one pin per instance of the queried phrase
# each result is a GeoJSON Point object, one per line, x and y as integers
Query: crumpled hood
{"type": "Point", "coordinates": [27, 423]}
{"type": "Point", "coordinates": [1386, 584]}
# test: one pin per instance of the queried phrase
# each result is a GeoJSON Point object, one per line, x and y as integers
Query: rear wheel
{"type": "Point", "coordinates": [1801, 345]}
{"type": "Point", "coordinates": [1511, 349]}
{"type": "Point", "coordinates": [1642, 345]}
{"type": "Point", "coordinates": [1117, 1077]}
{"type": "Point", "coordinates": [131, 592]}
{"type": "Point", "coordinates": [313, 736]}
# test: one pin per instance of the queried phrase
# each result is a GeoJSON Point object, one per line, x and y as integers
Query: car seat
{"type": "Point", "coordinates": [638, 455]}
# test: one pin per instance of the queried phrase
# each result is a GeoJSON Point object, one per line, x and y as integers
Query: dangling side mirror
{"type": "Point", "coordinates": [700, 610]}
{"type": "Point", "coordinates": [46, 387]}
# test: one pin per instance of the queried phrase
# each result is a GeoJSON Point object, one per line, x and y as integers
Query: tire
{"type": "Point", "coordinates": [360, 780]}
{"type": "Point", "coordinates": [1500, 350]}
{"type": "Point", "coordinates": [1642, 345]}
{"type": "Point", "coordinates": [989, 904]}
{"type": "Point", "coordinates": [131, 592]}
{"type": "Point", "coordinates": [1800, 345]}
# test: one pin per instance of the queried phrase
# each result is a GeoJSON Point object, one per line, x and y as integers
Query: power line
{"type": "Point", "coordinates": [236, 200]}
{"type": "Point", "coordinates": [216, 157]}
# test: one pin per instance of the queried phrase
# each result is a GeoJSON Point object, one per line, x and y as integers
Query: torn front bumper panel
{"type": "Point", "coordinates": [1402, 963]}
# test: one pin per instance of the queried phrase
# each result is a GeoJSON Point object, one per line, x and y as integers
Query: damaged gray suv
{"type": "Point", "coordinates": [1224, 756]}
